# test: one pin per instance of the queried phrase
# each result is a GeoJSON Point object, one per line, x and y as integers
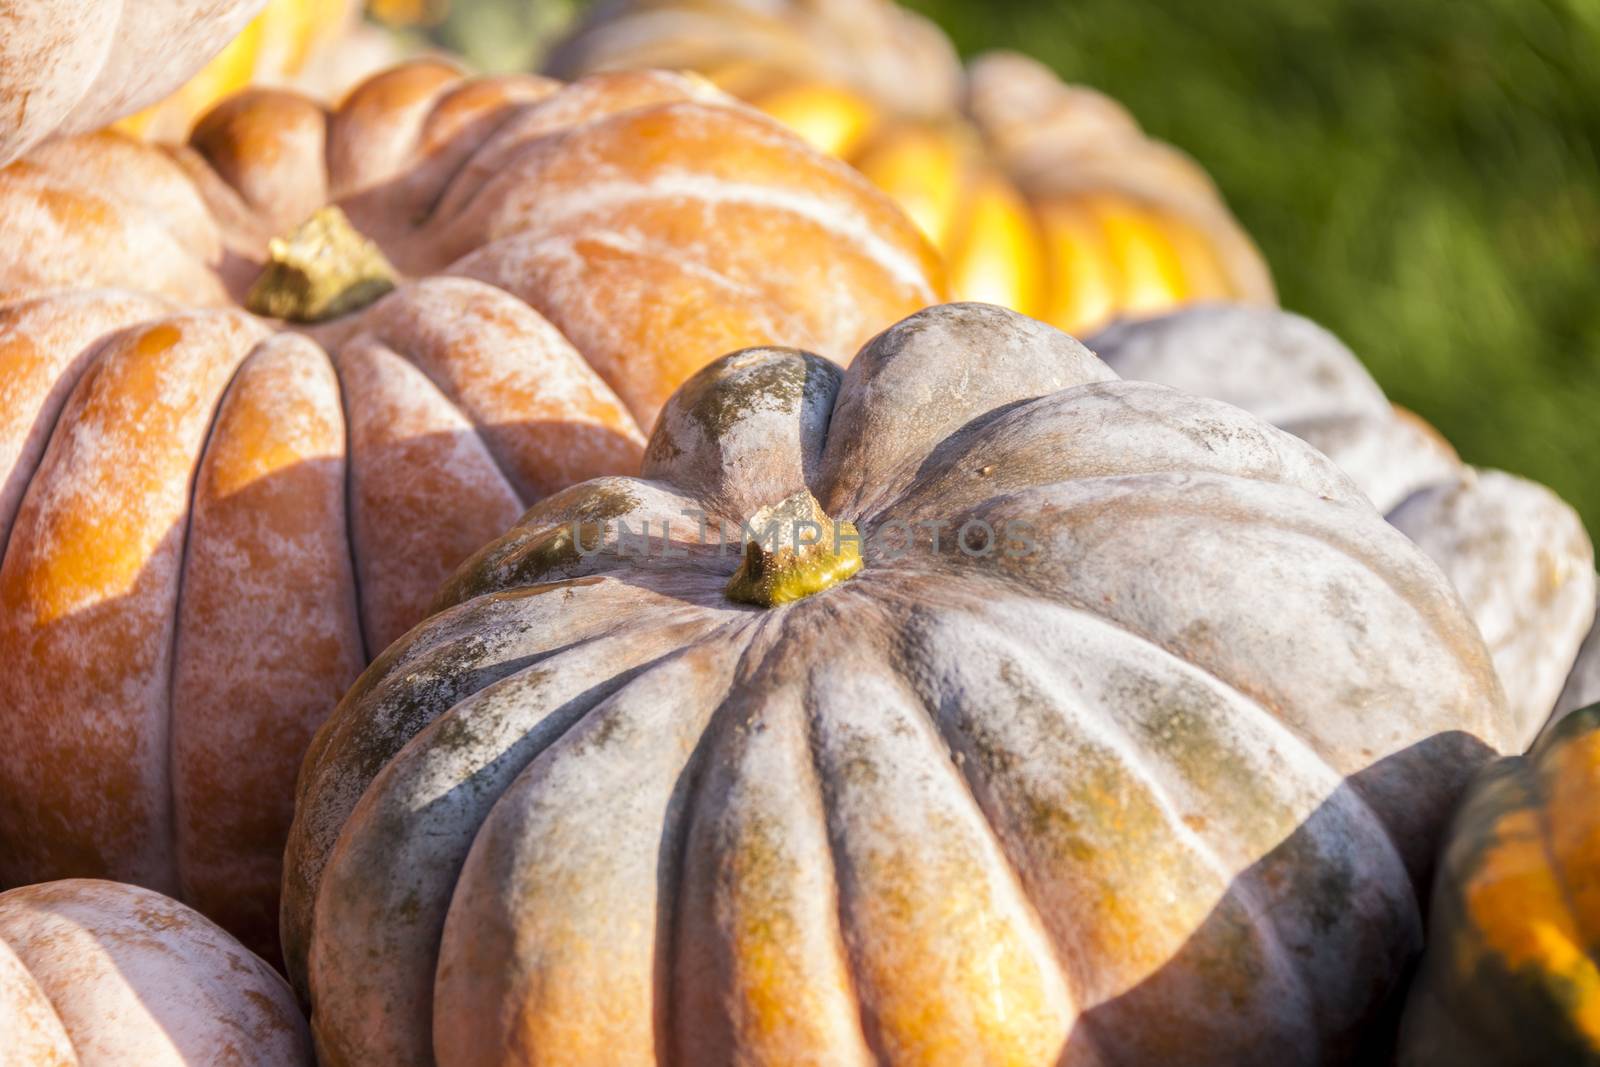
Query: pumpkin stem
{"type": "Point", "coordinates": [791, 550]}
{"type": "Point", "coordinates": [322, 269]}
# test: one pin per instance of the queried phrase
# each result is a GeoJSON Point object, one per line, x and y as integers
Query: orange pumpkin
{"type": "Point", "coordinates": [1043, 197]}
{"type": "Point", "coordinates": [116, 976]}
{"type": "Point", "coordinates": [1510, 978]}
{"type": "Point", "coordinates": [68, 68]}
{"type": "Point", "coordinates": [212, 518]}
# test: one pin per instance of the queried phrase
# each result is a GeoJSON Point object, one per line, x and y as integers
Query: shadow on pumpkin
{"type": "Point", "coordinates": [166, 741]}
{"type": "Point", "coordinates": [1185, 1013]}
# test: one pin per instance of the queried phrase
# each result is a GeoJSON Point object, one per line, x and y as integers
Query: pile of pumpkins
{"type": "Point", "coordinates": [385, 501]}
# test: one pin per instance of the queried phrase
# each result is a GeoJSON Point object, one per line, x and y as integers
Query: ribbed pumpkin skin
{"type": "Point", "coordinates": [1510, 978]}
{"type": "Point", "coordinates": [210, 521]}
{"type": "Point", "coordinates": [99, 973]}
{"type": "Point", "coordinates": [1157, 792]}
{"type": "Point", "coordinates": [1516, 552]}
{"type": "Point", "coordinates": [72, 67]}
{"type": "Point", "coordinates": [1043, 197]}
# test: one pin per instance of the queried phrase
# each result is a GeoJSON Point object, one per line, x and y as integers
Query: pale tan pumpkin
{"type": "Point", "coordinates": [1518, 554]}
{"type": "Point", "coordinates": [1043, 197]}
{"type": "Point", "coordinates": [1160, 789]}
{"type": "Point", "coordinates": [210, 519]}
{"type": "Point", "coordinates": [100, 974]}
{"type": "Point", "coordinates": [72, 67]}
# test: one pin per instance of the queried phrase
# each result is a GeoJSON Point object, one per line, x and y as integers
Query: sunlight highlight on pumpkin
{"type": "Point", "coordinates": [921, 169]}
{"type": "Point", "coordinates": [834, 120]}
{"type": "Point", "coordinates": [1516, 899]}
{"type": "Point", "coordinates": [1084, 289]}
{"type": "Point", "coordinates": [994, 250]}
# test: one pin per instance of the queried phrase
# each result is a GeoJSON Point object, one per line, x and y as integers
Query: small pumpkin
{"type": "Point", "coordinates": [1510, 978]}
{"type": "Point", "coordinates": [1043, 197]}
{"type": "Point", "coordinates": [1139, 761]}
{"type": "Point", "coordinates": [211, 517]}
{"type": "Point", "coordinates": [1518, 554]}
{"type": "Point", "coordinates": [111, 975]}
{"type": "Point", "coordinates": [71, 68]}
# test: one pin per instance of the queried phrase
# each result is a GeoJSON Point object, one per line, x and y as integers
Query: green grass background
{"type": "Point", "coordinates": [1421, 174]}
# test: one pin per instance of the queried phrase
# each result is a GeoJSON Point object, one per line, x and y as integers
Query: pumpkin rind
{"type": "Point", "coordinates": [101, 973]}
{"type": "Point", "coordinates": [1583, 684]}
{"type": "Point", "coordinates": [1043, 197]}
{"type": "Point", "coordinates": [1158, 791]}
{"type": "Point", "coordinates": [1516, 552]}
{"type": "Point", "coordinates": [71, 68]}
{"type": "Point", "coordinates": [893, 54]}
{"type": "Point", "coordinates": [211, 520]}
{"type": "Point", "coordinates": [1295, 374]}
{"type": "Point", "coordinates": [1522, 561]}
{"type": "Point", "coordinates": [1510, 977]}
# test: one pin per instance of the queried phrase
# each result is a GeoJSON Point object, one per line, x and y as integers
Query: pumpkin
{"type": "Point", "coordinates": [1139, 761]}
{"type": "Point", "coordinates": [1583, 684]}
{"type": "Point", "coordinates": [1516, 552]}
{"type": "Point", "coordinates": [70, 68]}
{"type": "Point", "coordinates": [211, 518]}
{"type": "Point", "coordinates": [288, 38]}
{"type": "Point", "coordinates": [107, 974]}
{"type": "Point", "coordinates": [1043, 197]}
{"type": "Point", "coordinates": [1510, 978]}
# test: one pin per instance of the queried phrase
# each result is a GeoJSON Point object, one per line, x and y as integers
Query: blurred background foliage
{"type": "Point", "coordinates": [495, 35]}
{"type": "Point", "coordinates": [1421, 174]}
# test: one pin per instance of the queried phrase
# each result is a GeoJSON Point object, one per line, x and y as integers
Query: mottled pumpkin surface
{"type": "Point", "coordinates": [1044, 197]}
{"type": "Point", "coordinates": [72, 67]}
{"type": "Point", "coordinates": [1510, 978]}
{"type": "Point", "coordinates": [101, 974]}
{"type": "Point", "coordinates": [1517, 553]}
{"type": "Point", "coordinates": [1159, 789]}
{"type": "Point", "coordinates": [210, 520]}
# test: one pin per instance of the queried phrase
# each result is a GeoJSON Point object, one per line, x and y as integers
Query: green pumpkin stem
{"type": "Point", "coordinates": [322, 269]}
{"type": "Point", "coordinates": [793, 549]}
